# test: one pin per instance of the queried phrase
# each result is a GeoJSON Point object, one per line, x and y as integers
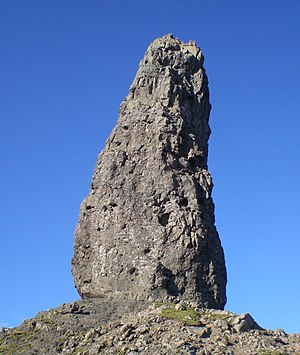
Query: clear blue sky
{"type": "Point", "coordinates": [65, 67]}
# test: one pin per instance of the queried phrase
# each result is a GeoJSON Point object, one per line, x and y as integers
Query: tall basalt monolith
{"type": "Point", "coordinates": [146, 229]}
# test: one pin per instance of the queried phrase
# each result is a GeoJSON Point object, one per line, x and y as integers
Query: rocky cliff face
{"type": "Point", "coordinates": [146, 230]}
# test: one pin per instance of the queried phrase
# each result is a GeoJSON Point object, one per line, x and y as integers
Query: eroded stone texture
{"type": "Point", "coordinates": [146, 229]}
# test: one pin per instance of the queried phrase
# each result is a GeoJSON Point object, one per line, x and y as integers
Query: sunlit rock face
{"type": "Point", "coordinates": [147, 228]}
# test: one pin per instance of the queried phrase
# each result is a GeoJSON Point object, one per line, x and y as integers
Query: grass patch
{"type": "Point", "coordinates": [47, 320]}
{"type": "Point", "coordinates": [187, 316]}
{"type": "Point", "coordinates": [17, 335]}
{"type": "Point", "coordinates": [16, 342]}
{"type": "Point", "coordinates": [79, 350]}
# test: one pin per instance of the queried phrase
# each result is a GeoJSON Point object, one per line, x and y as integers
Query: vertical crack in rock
{"type": "Point", "coordinates": [146, 229]}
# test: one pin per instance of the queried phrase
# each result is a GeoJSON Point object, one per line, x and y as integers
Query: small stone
{"type": "Point", "coordinates": [180, 307]}
{"type": "Point", "coordinates": [280, 332]}
{"type": "Point", "coordinates": [221, 324]}
{"type": "Point", "coordinates": [90, 334]}
{"type": "Point", "coordinates": [202, 332]}
{"type": "Point", "coordinates": [124, 328]}
{"type": "Point", "coordinates": [244, 322]}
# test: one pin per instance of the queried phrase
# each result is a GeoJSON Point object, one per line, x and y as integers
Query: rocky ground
{"type": "Point", "coordinates": [104, 326]}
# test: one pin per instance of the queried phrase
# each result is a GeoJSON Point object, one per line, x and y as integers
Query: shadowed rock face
{"type": "Point", "coordinates": [146, 230]}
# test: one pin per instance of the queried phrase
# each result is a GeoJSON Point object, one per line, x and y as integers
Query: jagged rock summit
{"type": "Point", "coordinates": [146, 230]}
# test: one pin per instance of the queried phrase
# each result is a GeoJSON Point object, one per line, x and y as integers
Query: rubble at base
{"type": "Point", "coordinates": [105, 326]}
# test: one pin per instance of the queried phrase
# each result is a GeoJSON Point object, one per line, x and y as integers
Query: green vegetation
{"type": "Point", "coordinates": [216, 316]}
{"type": "Point", "coordinates": [47, 320]}
{"type": "Point", "coordinates": [16, 342]}
{"type": "Point", "coordinates": [187, 315]}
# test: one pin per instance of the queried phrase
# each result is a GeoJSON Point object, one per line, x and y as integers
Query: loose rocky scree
{"type": "Point", "coordinates": [103, 326]}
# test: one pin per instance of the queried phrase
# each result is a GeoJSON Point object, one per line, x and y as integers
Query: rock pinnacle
{"type": "Point", "coordinates": [146, 230]}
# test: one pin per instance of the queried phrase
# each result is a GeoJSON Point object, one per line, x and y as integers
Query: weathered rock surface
{"type": "Point", "coordinates": [146, 230]}
{"type": "Point", "coordinates": [102, 326]}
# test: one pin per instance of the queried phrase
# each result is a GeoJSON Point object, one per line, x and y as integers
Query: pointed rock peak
{"type": "Point", "coordinates": [168, 42]}
{"type": "Point", "coordinates": [146, 230]}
